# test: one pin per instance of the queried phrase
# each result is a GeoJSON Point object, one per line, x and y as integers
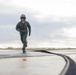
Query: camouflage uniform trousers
{"type": "Point", "coordinates": [23, 37]}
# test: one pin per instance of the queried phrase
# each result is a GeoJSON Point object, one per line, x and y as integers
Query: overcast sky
{"type": "Point", "coordinates": [53, 22]}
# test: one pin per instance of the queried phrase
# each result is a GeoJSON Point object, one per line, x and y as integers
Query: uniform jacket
{"type": "Point", "coordinates": [23, 27]}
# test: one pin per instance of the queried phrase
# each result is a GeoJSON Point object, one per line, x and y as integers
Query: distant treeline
{"type": "Point", "coordinates": [11, 48]}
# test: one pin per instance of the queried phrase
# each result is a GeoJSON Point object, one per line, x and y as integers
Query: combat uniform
{"type": "Point", "coordinates": [23, 28]}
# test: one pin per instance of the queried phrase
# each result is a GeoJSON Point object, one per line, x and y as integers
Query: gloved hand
{"type": "Point", "coordinates": [22, 31]}
{"type": "Point", "coordinates": [19, 30]}
{"type": "Point", "coordinates": [29, 34]}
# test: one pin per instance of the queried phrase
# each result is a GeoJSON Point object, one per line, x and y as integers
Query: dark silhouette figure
{"type": "Point", "coordinates": [23, 27]}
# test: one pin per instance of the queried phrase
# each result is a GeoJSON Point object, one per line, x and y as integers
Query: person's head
{"type": "Point", "coordinates": [23, 17]}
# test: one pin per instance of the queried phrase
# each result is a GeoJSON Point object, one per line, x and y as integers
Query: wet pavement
{"type": "Point", "coordinates": [72, 56]}
{"type": "Point", "coordinates": [70, 53]}
{"type": "Point", "coordinates": [31, 63]}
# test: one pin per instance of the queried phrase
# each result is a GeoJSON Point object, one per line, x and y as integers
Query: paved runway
{"type": "Point", "coordinates": [70, 53]}
{"type": "Point", "coordinates": [31, 63]}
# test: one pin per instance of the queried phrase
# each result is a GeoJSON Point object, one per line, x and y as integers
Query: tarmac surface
{"type": "Point", "coordinates": [33, 63]}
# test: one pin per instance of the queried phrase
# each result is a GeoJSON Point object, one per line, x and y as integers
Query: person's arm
{"type": "Point", "coordinates": [18, 27]}
{"type": "Point", "coordinates": [29, 27]}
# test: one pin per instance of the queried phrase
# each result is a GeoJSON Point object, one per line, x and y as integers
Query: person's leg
{"type": "Point", "coordinates": [21, 37]}
{"type": "Point", "coordinates": [24, 42]}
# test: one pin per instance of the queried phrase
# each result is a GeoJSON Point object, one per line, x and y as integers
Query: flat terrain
{"type": "Point", "coordinates": [13, 62]}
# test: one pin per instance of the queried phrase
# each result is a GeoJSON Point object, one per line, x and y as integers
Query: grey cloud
{"type": "Point", "coordinates": [42, 31]}
{"type": "Point", "coordinates": [6, 19]}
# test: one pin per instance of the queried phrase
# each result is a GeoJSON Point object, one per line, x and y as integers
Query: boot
{"type": "Point", "coordinates": [24, 46]}
{"type": "Point", "coordinates": [23, 50]}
